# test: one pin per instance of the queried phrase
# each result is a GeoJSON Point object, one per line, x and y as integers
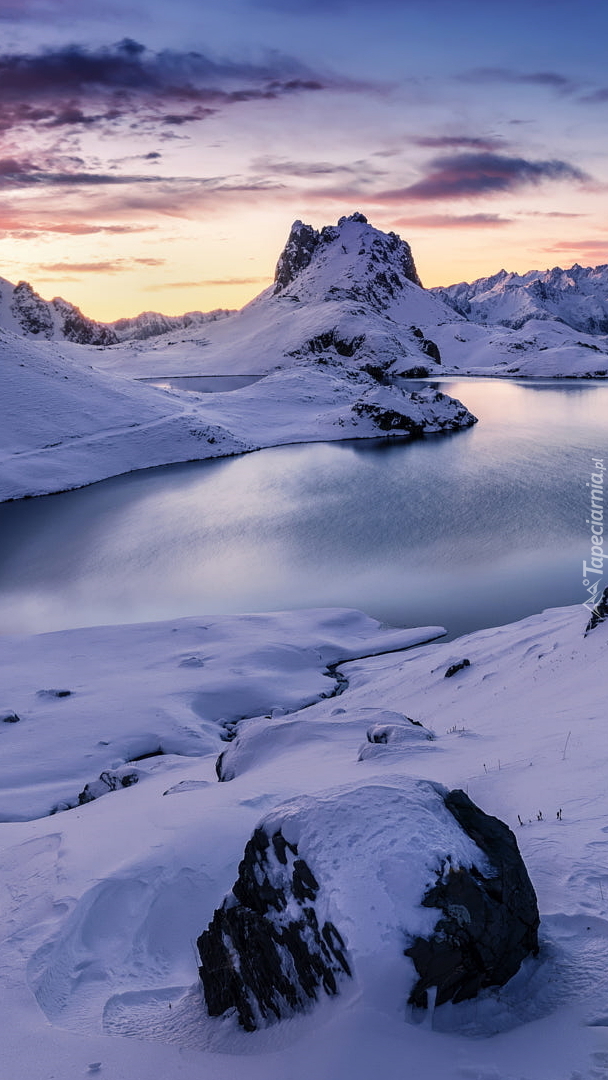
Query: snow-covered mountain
{"type": "Point", "coordinates": [577, 297]}
{"type": "Point", "coordinates": [151, 323]}
{"type": "Point", "coordinates": [25, 313]}
{"type": "Point", "coordinates": [348, 292]}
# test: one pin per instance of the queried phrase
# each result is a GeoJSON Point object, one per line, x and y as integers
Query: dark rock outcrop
{"type": "Point", "coordinates": [296, 255]}
{"type": "Point", "coordinates": [454, 668]}
{"type": "Point", "coordinates": [489, 922]}
{"type": "Point", "coordinates": [387, 419]}
{"type": "Point", "coordinates": [599, 613]}
{"type": "Point", "coordinates": [266, 952]}
{"type": "Point", "coordinates": [7, 716]}
{"type": "Point", "coordinates": [431, 349]}
{"type": "Point", "coordinates": [108, 781]}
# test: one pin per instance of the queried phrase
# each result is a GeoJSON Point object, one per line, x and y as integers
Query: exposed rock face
{"type": "Point", "coordinates": [430, 348]}
{"type": "Point", "coordinates": [74, 326]}
{"type": "Point", "coordinates": [31, 312]}
{"type": "Point", "coordinates": [297, 253]}
{"type": "Point", "coordinates": [489, 925]}
{"type": "Point", "coordinates": [265, 953]}
{"type": "Point", "coordinates": [599, 613]}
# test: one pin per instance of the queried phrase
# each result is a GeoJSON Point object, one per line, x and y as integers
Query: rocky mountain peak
{"type": "Point", "coordinates": [350, 260]}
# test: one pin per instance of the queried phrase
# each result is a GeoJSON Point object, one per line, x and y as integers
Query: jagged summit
{"type": "Point", "coordinates": [577, 297]}
{"type": "Point", "coordinates": [24, 312]}
{"type": "Point", "coordinates": [348, 261]}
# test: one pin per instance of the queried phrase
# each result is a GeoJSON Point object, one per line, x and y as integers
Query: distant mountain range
{"type": "Point", "coordinates": [24, 312]}
{"type": "Point", "coordinates": [577, 297]}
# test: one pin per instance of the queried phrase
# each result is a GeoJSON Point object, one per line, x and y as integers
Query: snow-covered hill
{"type": "Point", "coordinates": [64, 424]}
{"type": "Point", "coordinates": [102, 903]}
{"type": "Point", "coordinates": [577, 297]}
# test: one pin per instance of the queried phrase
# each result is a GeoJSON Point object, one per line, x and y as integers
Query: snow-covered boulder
{"type": "Point", "coordinates": [350, 883]}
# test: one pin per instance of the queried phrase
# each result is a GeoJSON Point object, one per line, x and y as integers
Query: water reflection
{"type": "Point", "coordinates": [466, 530]}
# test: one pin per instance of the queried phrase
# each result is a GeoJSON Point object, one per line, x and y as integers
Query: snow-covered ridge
{"type": "Point", "coordinates": [153, 323]}
{"type": "Point", "coordinates": [577, 297]}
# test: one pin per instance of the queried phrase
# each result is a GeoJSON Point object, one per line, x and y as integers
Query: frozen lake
{"type": "Point", "coordinates": [466, 530]}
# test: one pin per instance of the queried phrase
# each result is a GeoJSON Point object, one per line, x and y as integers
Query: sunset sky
{"type": "Point", "coordinates": [154, 154]}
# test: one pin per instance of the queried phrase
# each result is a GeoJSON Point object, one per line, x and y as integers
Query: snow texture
{"type": "Point", "coordinates": [102, 903]}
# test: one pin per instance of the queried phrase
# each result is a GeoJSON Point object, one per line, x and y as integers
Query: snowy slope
{"type": "Point", "coordinates": [64, 424]}
{"type": "Point", "coordinates": [102, 903]}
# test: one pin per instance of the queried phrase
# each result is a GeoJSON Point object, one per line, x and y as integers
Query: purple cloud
{"type": "Point", "coordinates": [74, 86]}
{"type": "Point", "coordinates": [462, 176]}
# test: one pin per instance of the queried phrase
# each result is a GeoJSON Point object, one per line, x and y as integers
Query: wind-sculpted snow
{"type": "Point", "coordinates": [165, 689]}
{"type": "Point", "coordinates": [102, 904]}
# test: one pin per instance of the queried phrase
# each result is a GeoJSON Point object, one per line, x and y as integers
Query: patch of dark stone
{"type": "Point", "coordinates": [54, 693]}
{"type": "Point", "coordinates": [265, 953]}
{"type": "Point", "coordinates": [387, 419]}
{"type": "Point", "coordinates": [7, 716]}
{"type": "Point", "coordinates": [599, 613]}
{"type": "Point", "coordinates": [454, 668]}
{"type": "Point", "coordinates": [108, 781]}
{"type": "Point", "coordinates": [489, 923]}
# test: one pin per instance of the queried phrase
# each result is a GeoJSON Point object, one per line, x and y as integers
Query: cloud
{"type": "Point", "coordinates": [113, 266]}
{"type": "Point", "coordinates": [455, 221]}
{"type": "Point", "coordinates": [552, 80]}
{"type": "Point", "coordinates": [592, 250]}
{"type": "Point", "coordinates": [596, 97]}
{"type": "Point", "coordinates": [462, 176]}
{"type": "Point", "coordinates": [469, 142]}
{"type": "Point", "coordinates": [75, 87]}
{"type": "Point", "coordinates": [207, 282]}
{"type": "Point", "coordinates": [24, 227]}
{"type": "Point", "coordinates": [311, 170]}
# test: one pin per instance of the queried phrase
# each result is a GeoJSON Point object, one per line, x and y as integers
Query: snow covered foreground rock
{"type": "Point", "coordinates": [296, 916]}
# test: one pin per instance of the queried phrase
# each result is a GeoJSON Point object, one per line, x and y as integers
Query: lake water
{"type": "Point", "coordinates": [465, 530]}
{"type": "Point", "coordinates": [203, 384]}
